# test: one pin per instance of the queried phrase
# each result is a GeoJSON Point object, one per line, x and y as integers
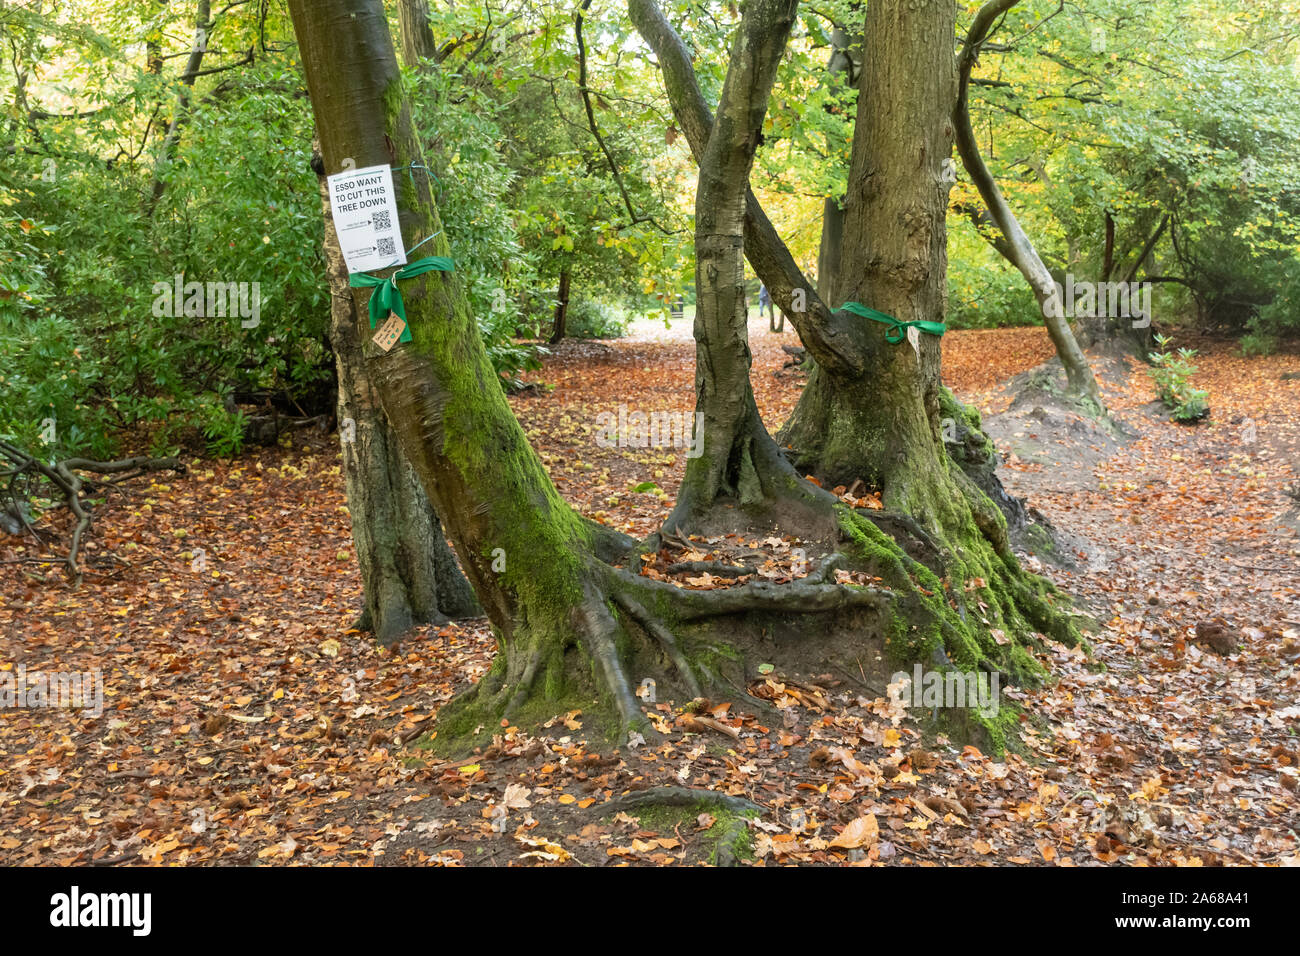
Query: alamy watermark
{"type": "Point", "coordinates": [949, 689]}
{"type": "Point", "coordinates": [636, 429]}
{"type": "Point", "coordinates": [56, 689]}
{"type": "Point", "coordinates": [75, 908]}
{"type": "Point", "coordinates": [208, 300]}
{"type": "Point", "coordinates": [1129, 300]}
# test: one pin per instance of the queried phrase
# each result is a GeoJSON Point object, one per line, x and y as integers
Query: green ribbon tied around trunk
{"type": "Point", "coordinates": [898, 328]}
{"type": "Point", "coordinates": [387, 297]}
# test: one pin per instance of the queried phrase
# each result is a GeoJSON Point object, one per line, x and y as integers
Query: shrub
{"type": "Point", "coordinates": [1172, 373]}
{"type": "Point", "coordinates": [591, 319]}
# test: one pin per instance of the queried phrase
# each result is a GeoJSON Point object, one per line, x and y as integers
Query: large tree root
{"type": "Point", "coordinates": [951, 594]}
{"type": "Point", "coordinates": [730, 829]}
{"type": "Point", "coordinates": [966, 605]}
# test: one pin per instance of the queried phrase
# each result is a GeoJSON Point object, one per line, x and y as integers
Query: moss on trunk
{"type": "Point", "coordinates": [575, 630]}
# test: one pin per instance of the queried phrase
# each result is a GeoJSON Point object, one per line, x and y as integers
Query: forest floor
{"type": "Point", "coordinates": [245, 723]}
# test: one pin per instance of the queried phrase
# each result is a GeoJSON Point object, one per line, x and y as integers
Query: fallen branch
{"type": "Point", "coordinates": [64, 477]}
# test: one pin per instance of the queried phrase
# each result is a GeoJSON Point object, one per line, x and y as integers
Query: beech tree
{"type": "Point", "coordinates": [408, 574]}
{"type": "Point", "coordinates": [575, 624]}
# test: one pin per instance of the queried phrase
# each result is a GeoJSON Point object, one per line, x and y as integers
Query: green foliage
{"type": "Point", "coordinates": [1170, 121]}
{"type": "Point", "coordinates": [593, 319]}
{"type": "Point", "coordinates": [1174, 115]}
{"type": "Point", "coordinates": [472, 182]}
{"type": "Point", "coordinates": [1281, 316]}
{"type": "Point", "coordinates": [90, 331]}
{"type": "Point", "coordinates": [984, 291]}
{"type": "Point", "coordinates": [1172, 373]}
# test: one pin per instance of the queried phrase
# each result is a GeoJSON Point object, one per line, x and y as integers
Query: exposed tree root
{"type": "Point", "coordinates": [666, 641]}
{"type": "Point", "coordinates": [952, 595]}
{"type": "Point", "coordinates": [27, 472]}
{"type": "Point", "coordinates": [719, 568]}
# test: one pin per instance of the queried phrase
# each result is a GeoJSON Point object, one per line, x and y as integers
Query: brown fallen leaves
{"type": "Point", "coordinates": [246, 721]}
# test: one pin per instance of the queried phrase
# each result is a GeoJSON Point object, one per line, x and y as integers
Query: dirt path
{"type": "Point", "coordinates": [244, 723]}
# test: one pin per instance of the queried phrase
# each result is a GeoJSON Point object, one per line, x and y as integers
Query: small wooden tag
{"type": "Point", "coordinates": [389, 332]}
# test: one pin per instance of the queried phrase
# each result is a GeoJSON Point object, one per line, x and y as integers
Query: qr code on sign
{"type": "Point", "coordinates": [384, 246]}
{"type": "Point", "coordinates": [381, 220]}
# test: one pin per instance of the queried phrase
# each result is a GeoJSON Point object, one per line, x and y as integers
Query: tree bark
{"type": "Point", "coordinates": [1019, 249]}
{"type": "Point", "coordinates": [561, 308]}
{"type": "Point", "coordinates": [532, 561]}
{"type": "Point", "coordinates": [874, 424]}
{"type": "Point", "coordinates": [418, 43]}
{"type": "Point", "coordinates": [829, 336]}
{"type": "Point", "coordinates": [1108, 252]}
{"type": "Point", "coordinates": [740, 462]}
{"type": "Point", "coordinates": [202, 36]}
{"type": "Point", "coordinates": [571, 624]}
{"type": "Point", "coordinates": [408, 573]}
{"type": "Point", "coordinates": [832, 240]}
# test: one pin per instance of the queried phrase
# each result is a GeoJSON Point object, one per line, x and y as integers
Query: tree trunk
{"type": "Point", "coordinates": [202, 36]}
{"type": "Point", "coordinates": [872, 410]}
{"type": "Point", "coordinates": [1120, 333]}
{"type": "Point", "coordinates": [408, 573]}
{"type": "Point", "coordinates": [828, 252]}
{"type": "Point", "coordinates": [838, 342]}
{"type": "Point", "coordinates": [1022, 254]}
{"type": "Point", "coordinates": [572, 626]}
{"type": "Point", "coordinates": [561, 308]}
{"type": "Point", "coordinates": [1108, 253]}
{"type": "Point", "coordinates": [417, 37]}
{"type": "Point", "coordinates": [829, 336]}
{"type": "Point", "coordinates": [874, 423]}
{"type": "Point", "coordinates": [533, 562]}
{"type": "Point", "coordinates": [740, 463]}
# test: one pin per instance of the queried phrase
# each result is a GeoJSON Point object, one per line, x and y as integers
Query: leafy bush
{"type": "Point", "coordinates": [89, 340]}
{"type": "Point", "coordinates": [1278, 318]}
{"type": "Point", "coordinates": [592, 319]}
{"type": "Point", "coordinates": [1172, 374]}
{"type": "Point", "coordinates": [984, 292]}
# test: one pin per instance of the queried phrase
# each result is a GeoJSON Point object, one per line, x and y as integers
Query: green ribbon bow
{"type": "Point", "coordinates": [387, 297]}
{"type": "Point", "coordinates": [898, 329]}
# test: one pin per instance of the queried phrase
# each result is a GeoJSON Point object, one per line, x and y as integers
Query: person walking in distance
{"type": "Point", "coordinates": [765, 304]}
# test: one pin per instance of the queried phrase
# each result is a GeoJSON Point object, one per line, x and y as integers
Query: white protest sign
{"type": "Point", "coordinates": [914, 337]}
{"type": "Point", "coordinates": [365, 216]}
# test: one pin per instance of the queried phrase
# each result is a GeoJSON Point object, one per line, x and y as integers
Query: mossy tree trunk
{"type": "Point", "coordinates": [525, 552]}
{"type": "Point", "coordinates": [875, 410]}
{"type": "Point", "coordinates": [740, 462]}
{"type": "Point", "coordinates": [408, 573]}
{"type": "Point", "coordinates": [741, 478]}
{"type": "Point", "coordinates": [880, 422]}
{"type": "Point", "coordinates": [572, 625]}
